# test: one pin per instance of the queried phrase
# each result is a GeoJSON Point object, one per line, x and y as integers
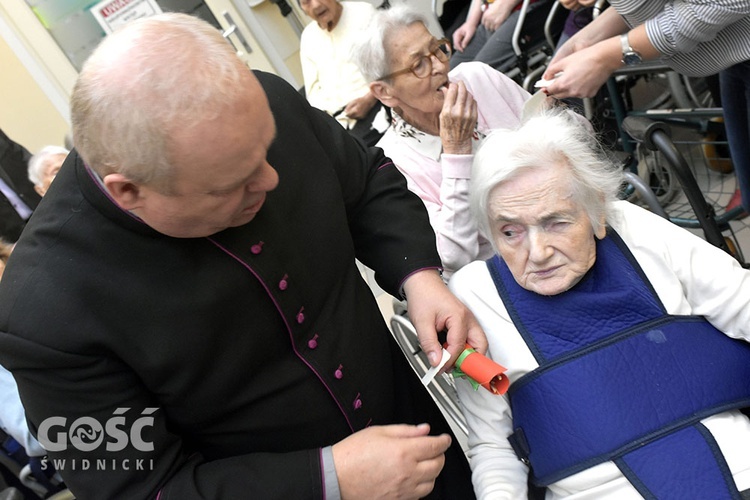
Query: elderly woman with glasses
{"type": "Point", "coordinates": [625, 337]}
{"type": "Point", "coordinates": [439, 118]}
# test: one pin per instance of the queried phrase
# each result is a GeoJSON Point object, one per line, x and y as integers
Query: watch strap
{"type": "Point", "coordinates": [630, 56]}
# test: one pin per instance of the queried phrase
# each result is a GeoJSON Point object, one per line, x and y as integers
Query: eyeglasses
{"type": "Point", "coordinates": [422, 67]}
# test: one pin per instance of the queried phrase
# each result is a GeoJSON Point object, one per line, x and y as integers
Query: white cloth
{"type": "Point", "coordinates": [331, 79]}
{"type": "Point", "coordinates": [690, 276]}
{"type": "Point", "coordinates": [442, 180]}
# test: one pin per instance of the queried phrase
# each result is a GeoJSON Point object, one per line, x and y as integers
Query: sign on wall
{"type": "Point", "coordinates": [112, 14]}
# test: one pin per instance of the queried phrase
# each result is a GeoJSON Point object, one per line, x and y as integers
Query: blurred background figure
{"type": "Point", "coordinates": [581, 14]}
{"type": "Point", "coordinates": [5, 249]}
{"type": "Point", "coordinates": [13, 416]}
{"type": "Point", "coordinates": [453, 16]}
{"type": "Point", "coordinates": [44, 165]}
{"type": "Point", "coordinates": [487, 33]}
{"type": "Point", "coordinates": [332, 82]}
{"type": "Point", "coordinates": [18, 199]}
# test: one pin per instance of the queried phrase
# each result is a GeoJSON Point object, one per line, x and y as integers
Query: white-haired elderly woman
{"type": "Point", "coordinates": [438, 120]}
{"type": "Point", "coordinates": [44, 165]}
{"type": "Point", "coordinates": [625, 336]}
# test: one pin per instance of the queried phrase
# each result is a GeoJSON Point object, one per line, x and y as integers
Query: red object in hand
{"type": "Point", "coordinates": [481, 370]}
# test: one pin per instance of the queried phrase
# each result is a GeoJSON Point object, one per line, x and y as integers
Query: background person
{"type": "Point", "coordinates": [18, 199]}
{"type": "Point", "coordinates": [13, 416]}
{"type": "Point", "coordinates": [5, 250]}
{"type": "Point", "coordinates": [210, 285]}
{"type": "Point", "coordinates": [600, 308]}
{"type": "Point", "coordinates": [581, 14]}
{"type": "Point", "coordinates": [332, 82]}
{"type": "Point", "coordinates": [487, 34]}
{"type": "Point", "coordinates": [44, 165]}
{"type": "Point", "coordinates": [438, 120]}
{"type": "Point", "coordinates": [693, 37]}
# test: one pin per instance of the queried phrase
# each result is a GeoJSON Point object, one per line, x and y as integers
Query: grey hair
{"type": "Point", "coordinates": [38, 162]}
{"type": "Point", "coordinates": [152, 77]}
{"type": "Point", "coordinates": [553, 138]}
{"type": "Point", "coordinates": [369, 53]}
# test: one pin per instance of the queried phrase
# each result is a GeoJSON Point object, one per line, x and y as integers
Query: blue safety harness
{"type": "Point", "coordinates": [620, 379]}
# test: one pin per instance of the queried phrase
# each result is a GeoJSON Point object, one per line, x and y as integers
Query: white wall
{"type": "Point", "coordinates": [28, 113]}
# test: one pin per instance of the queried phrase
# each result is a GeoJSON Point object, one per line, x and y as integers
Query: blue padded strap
{"type": "Point", "coordinates": [603, 402]}
{"type": "Point", "coordinates": [685, 464]}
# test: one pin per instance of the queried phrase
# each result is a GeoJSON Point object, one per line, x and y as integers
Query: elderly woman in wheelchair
{"type": "Point", "coordinates": [625, 336]}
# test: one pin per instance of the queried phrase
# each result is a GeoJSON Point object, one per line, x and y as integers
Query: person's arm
{"type": "Point", "coordinates": [588, 59]}
{"type": "Point", "coordinates": [402, 461]}
{"type": "Point", "coordinates": [574, 5]}
{"type": "Point", "coordinates": [129, 448]}
{"type": "Point", "coordinates": [456, 233]}
{"type": "Point", "coordinates": [497, 12]}
{"type": "Point", "coordinates": [359, 107]}
{"type": "Point", "coordinates": [582, 73]}
{"type": "Point", "coordinates": [393, 236]}
{"type": "Point", "coordinates": [309, 67]}
{"type": "Point", "coordinates": [683, 24]}
{"type": "Point", "coordinates": [388, 223]}
{"type": "Point", "coordinates": [463, 35]}
{"type": "Point", "coordinates": [608, 24]}
{"type": "Point", "coordinates": [594, 53]}
{"type": "Point", "coordinates": [433, 308]}
{"type": "Point", "coordinates": [310, 61]}
{"type": "Point", "coordinates": [13, 415]}
{"type": "Point", "coordinates": [710, 281]}
{"type": "Point", "coordinates": [496, 470]}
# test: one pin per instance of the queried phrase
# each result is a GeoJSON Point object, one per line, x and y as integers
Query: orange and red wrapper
{"type": "Point", "coordinates": [481, 370]}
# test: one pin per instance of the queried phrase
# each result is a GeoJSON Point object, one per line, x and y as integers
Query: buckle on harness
{"type": "Point", "coordinates": [520, 445]}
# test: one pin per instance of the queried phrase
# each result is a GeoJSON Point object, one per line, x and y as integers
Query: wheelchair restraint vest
{"type": "Point", "coordinates": [620, 379]}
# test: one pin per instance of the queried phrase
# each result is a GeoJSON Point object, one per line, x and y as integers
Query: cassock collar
{"type": "Point", "coordinates": [96, 193]}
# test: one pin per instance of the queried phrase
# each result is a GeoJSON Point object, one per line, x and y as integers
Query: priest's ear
{"type": "Point", "coordinates": [125, 192]}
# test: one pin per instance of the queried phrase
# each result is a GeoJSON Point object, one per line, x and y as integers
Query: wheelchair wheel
{"type": "Point", "coordinates": [442, 389]}
{"type": "Point", "coordinates": [658, 175]}
{"type": "Point", "coordinates": [690, 92]}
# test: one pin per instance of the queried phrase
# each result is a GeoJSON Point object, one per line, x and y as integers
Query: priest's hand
{"type": "Point", "coordinates": [433, 308]}
{"type": "Point", "coordinates": [392, 461]}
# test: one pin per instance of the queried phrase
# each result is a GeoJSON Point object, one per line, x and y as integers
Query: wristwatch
{"type": "Point", "coordinates": [629, 55]}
